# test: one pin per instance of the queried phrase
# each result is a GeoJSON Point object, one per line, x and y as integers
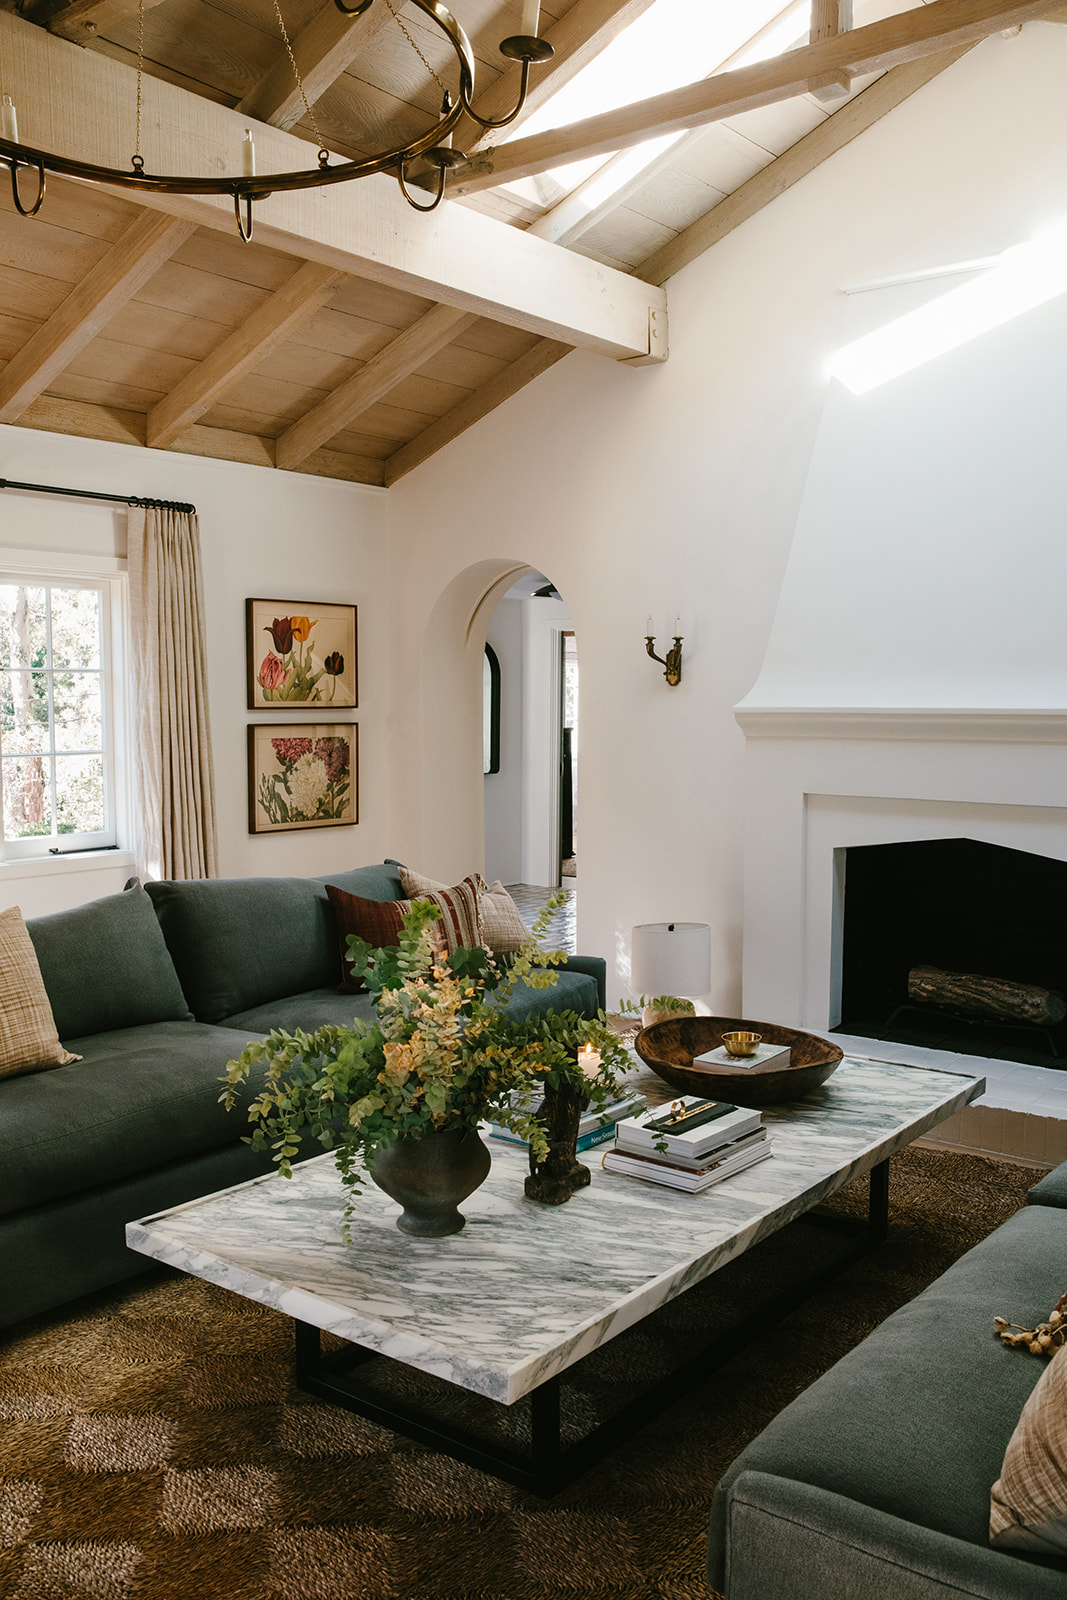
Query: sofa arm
{"type": "Point", "coordinates": [786, 1538]}
{"type": "Point", "coordinates": [1051, 1190]}
{"type": "Point", "coordinates": [594, 967]}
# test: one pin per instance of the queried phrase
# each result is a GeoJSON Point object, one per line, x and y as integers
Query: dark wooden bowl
{"type": "Point", "coordinates": [669, 1047]}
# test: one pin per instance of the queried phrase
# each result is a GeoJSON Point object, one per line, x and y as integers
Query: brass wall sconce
{"type": "Point", "coordinates": [672, 662]}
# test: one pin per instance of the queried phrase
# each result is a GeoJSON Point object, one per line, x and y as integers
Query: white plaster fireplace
{"type": "Point", "coordinates": [820, 782]}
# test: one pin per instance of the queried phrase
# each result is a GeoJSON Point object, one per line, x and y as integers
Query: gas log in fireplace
{"type": "Point", "coordinates": [957, 945]}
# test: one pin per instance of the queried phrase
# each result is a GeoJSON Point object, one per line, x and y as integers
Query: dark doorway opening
{"type": "Point", "coordinates": [963, 907]}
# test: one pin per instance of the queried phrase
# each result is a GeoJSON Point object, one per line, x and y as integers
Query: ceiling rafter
{"type": "Point", "coordinates": [907, 36]}
{"type": "Point", "coordinates": [577, 39]}
{"type": "Point", "coordinates": [79, 20]}
{"type": "Point", "coordinates": [434, 330]}
{"type": "Point", "coordinates": [861, 113]}
{"type": "Point", "coordinates": [289, 308]}
{"type": "Point", "coordinates": [507, 382]}
{"type": "Point", "coordinates": [323, 49]}
{"type": "Point", "coordinates": [149, 241]}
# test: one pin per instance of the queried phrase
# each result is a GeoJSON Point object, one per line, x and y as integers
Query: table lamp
{"type": "Point", "coordinates": [669, 958]}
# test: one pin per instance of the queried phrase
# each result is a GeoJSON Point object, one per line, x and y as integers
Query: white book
{"type": "Point", "coordinates": [689, 1163]}
{"type": "Point", "coordinates": [649, 1170]}
{"type": "Point", "coordinates": [765, 1055]}
{"type": "Point", "coordinates": [690, 1125]}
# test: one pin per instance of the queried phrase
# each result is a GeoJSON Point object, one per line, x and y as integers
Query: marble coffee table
{"type": "Point", "coordinates": [525, 1291]}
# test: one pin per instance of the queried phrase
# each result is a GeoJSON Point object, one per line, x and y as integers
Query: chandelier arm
{"type": "Point", "coordinates": [406, 192]}
{"type": "Point", "coordinates": [245, 232]}
{"type": "Point", "coordinates": [41, 182]}
{"type": "Point", "coordinates": [497, 122]}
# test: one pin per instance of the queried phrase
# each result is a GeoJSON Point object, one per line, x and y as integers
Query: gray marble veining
{"type": "Point", "coordinates": [526, 1290]}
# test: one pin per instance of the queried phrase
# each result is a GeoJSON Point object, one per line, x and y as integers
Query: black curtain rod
{"type": "Point", "coordinates": [92, 494]}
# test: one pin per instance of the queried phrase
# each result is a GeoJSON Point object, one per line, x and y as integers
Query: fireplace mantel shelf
{"type": "Point", "coordinates": [878, 722]}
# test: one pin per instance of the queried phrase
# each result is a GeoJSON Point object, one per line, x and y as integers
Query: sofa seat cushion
{"type": "Point", "coordinates": [238, 943]}
{"type": "Point", "coordinates": [140, 1097]}
{"type": "Point", "coordinates": [914, 1422]}
{"type": "Point", "coordinates": [106, 965]}
{"type": "Point", "coordinates": [315, 1008]}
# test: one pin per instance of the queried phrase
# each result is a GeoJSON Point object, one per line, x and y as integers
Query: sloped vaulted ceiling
{"type": "Point", "coordinates": [353, 337]}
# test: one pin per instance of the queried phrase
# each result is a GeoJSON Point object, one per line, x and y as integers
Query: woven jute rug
{"type": "Point", "coordinates": [153, 1445]}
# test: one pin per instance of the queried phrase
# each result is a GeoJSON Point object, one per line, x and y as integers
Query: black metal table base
{"type": "Point", "coordinates": [547, 1466]}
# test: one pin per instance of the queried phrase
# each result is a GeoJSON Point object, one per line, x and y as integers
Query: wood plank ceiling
{"type": "Point", "coordinates": [158, 328]}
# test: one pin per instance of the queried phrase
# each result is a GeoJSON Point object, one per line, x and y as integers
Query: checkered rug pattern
{"type": "Point", "coordinates": [154, 1446]}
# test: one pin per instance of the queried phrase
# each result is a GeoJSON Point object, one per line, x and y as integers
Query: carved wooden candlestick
{"type": "Point", "coordinates": [560, 1174]}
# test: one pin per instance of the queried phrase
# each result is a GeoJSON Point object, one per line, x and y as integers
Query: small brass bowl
{"type": "Point", "coordinates": [742, 1044]}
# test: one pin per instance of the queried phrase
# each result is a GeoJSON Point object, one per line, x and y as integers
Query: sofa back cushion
{"type": "Point", "coordinates": [105, 965]}
{"type": "Point", "coordinates": [242, 942]}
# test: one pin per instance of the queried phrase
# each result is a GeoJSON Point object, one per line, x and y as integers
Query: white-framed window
{"type": "Point", "coordinates": [60, 649]}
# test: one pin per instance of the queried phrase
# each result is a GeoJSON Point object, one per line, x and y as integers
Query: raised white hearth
{"type": "Point", "coordinates": [820, 782]}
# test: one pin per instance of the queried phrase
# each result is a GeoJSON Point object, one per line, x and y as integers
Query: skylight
{"type": "Point", "coordinates": [646, 60]}
{"type": "Point", "coordinates": [1024, 277]}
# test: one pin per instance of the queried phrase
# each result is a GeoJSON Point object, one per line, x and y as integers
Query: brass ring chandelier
{"type": "Point", "coordinates": [433, 146]}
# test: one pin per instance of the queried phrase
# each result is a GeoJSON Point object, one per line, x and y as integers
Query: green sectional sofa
{"type": "Point", "coordinates": [875, 1481]}
{"type": "Point", "coordinates": [157, 990]}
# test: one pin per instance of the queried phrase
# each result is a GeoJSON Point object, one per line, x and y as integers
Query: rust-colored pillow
{"type": "Point", "coordinates": [376, 921]}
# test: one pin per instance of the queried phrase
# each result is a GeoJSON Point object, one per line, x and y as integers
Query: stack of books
{"type": "Point", "coordinates": [689, 1144]}
{"type": "Point", "coordinates": [595, 1127]}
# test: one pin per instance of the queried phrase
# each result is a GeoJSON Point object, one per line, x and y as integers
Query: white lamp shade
{"type": "Point", "coordinates": [670, 958]}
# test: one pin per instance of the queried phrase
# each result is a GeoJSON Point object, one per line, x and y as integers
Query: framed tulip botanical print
{"type": "Point", "coordinates": [300, 652]}
{"type": "Point", "coordinates": [302, 775]}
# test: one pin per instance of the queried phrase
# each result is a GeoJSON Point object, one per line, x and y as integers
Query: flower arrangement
{"type": "Point", "coordinates": [443, 1054]}
{"type": "Point", "coordinates": [313, 783]}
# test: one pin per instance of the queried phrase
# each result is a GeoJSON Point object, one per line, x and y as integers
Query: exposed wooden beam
{"type": "Point", "coordinates": [941, 25]}
{"type": "Point", "coordinates": [134, 257]}
{"type": "Point", "coordinates": [405, 355]}
{"type": "Point", "coordinates": [456, 256]}
{"type": "Point", "coordinates": [79, 20]}
{"type": "Point", "coordinates": [295, 303]}
{"type": "Point", "coordinates": [578, 38]}
{"type": "Point", "coordinates": [828, 19]}
{"type": "Point", "coordinates": [509, 381]}
{"type": "Point", "coordinates": [800, 159]}
{"type": "Point", "coordinates": [323, 49]}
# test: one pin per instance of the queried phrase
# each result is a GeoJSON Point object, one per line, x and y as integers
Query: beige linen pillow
{"type": "Point", "coordinates": [502, 929]}
{"type": "Point", "coordinates": [28, 1038]}
{"type": "Point", "coordinates": [1028, 1509]}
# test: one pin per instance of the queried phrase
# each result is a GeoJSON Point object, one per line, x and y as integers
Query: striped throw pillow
{"type": "Point", "coordinates": [1028, 1509]}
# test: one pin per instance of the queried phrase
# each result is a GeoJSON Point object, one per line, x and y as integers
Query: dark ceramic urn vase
{"type": "Point", "coordinates": [429, 1177]}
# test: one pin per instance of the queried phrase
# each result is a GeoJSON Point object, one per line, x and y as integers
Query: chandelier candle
{"type": "Point", "coordinates": [248, 155]}
{"type": "Point", "coordinates": [531, 15]}
{"type": "Point", "coordinates": [9, 127]}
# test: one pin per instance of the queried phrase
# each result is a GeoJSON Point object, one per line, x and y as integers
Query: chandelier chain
{"type": "Point", "coordinates": [138, 159]}
{"type": "Point", "coordinates": [296, 74]}
{"type": "Point", "coordinates": [414, 45]}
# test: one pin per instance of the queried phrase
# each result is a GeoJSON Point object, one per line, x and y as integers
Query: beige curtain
{"type": "Point", "coordinates": [174, 781]}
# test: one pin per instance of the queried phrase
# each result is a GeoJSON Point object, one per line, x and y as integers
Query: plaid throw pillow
{"type": "Point", "coordinates": [28, 1038]}
{"type": "Point", "coordinates": [1028, 1509]}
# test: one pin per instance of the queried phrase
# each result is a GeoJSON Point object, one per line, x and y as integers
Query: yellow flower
{"type": "Point", "coordinates": [301, 627]}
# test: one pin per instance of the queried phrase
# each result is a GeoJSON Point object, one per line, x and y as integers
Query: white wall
{"type": "Point", "coordinates": [677, 489]}
{"type": "Point", "coordinates": [263, 534]}
{"type": "Point", "coordinates": [503, 789]}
